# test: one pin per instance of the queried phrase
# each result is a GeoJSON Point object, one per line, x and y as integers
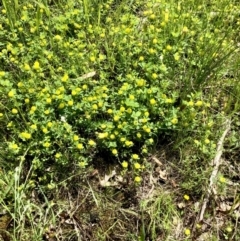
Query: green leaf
{"type": "Point", "coordinates": [131, 103]}
{"type": "Point", "coordinates": [136, 114]}
{"type": "Point", "coordinates": [175, 34]}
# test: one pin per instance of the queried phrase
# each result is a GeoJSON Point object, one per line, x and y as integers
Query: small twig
{"type": "Point", "coordinates": [76, 225]}
{"type": "Point", "coordinates": [216, 163]}
{"type": "Point", "coordinates": [235, 228]}
{"type": "Point", "coordinates": [86, 76]}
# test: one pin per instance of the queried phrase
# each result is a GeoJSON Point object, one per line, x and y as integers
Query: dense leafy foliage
{"type": "Point", "coordinates": [79, 77]}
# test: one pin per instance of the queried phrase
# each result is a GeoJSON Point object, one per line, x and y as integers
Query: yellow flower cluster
{"type": "Point", "coordinates": [25, 135]}
{"type": "Point", "coordinates": [47, 144]}
{"type": "Point", "coordinates": [36, 65]}
{"type": "Point", "coordinates": [13, 146]}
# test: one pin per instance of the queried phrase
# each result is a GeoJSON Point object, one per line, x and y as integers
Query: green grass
{"type": "Point", "coordinates": [91, 90]}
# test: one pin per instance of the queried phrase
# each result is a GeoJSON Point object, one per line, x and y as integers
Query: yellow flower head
{"type": "Point", "coordinates": [14, 111]}
{"type": "Point", "coordinates": [129, 143]}
{"type": "Point", "coordinates": [75, 138]}
{"type": "Point", "coordinates": [65, 77]}
{"type": "Point", "coordinates": [131, 97]}
{"type": "Point", "coordinates": [25, 135]}
{"type": "Point", "coordinates": [139, 135]}
{"type": "Point", "coordinates": [135, 157]}
{"type": "Point", "coordinates": [154, 76]}
{"type": "Point", "coordinates": [10, 124]}
{"type": "Point", "coordinates": [185, 29]}
{"type": "Point", "coordinates": [84, 87]}
{"type": "Point", "coordinates": [137, 179]}
{"type": "Point", "coordinates": [57, 38]}
{"type": "Point", "coordinates": [61, 106]}
{"type": "Point", "coordinates": [154, 41]}
{"type": "Point", "coordinates": [46, 144]}
{"type": "Point", "coordinates": [187, 232]}
{"type": "Point", "coordinates": [148, 130]}
{"type": "Point", "coordinates": [146, 114]}
{"type": "Point", "coordinates": [151, 140]}
{"type": "Point", "coordinates": [45, 130]}
{"type": "Point", "coordinates": [129, 110]}
{"type": "Point", "coordinates": [36, 65]}
{"type": "Point", "coordinates": [169, 101]}
{"type": "Point", "coordinates": [20, 84]}
{"type": "Point", "coordinates": [222, 179]}
{"type": "Point", "coordinates": [80, 146]}
{"type": "Point", "coordinates": [207, 141]}
{"type": "Point", "coordinates": [210, 124]}
{"type": "Point", "coordinates": [2, 73]}
{"type": "Point", "coordinates": [92, 143]}
{"type": "Point", "coordinates": [13, 146]}
{"type": "Point", "coordinates": [112, 136]}
{"type": "Point", "coordinates": [46, 112]}
{"type": "Point", "coordinates": [78, 90]}
{"type": "Point", "coordinates": [140, 82]}
{"type": "Point", "coordinates": [186, 197]}
{"type": "Point", "coordinates": [190, 103]}
{"type": "Point", "coordinates": [199, 103]}
{"type": "Point", "coordinates": [122, 109]}
{"type": "Point", "coordinates": [100, 104]}
{"type": "Point", "coordinates": [152, 16]}
{"type": "Point", "coordinates": [92, 58]}
{"type": "Point", "coordinates": [229, 229]}
{"type": "Point", "coordinates": [166, 16]}
{"type": "Point", "coordinates": [49, 100]}
{"type": "Point", "coordinates": [169, 47]}
{"type": "Point", "coordinates": [11, 93]}
{"type": "Point", "coordinates": [102, 135]}
{"type": "Point", "coordinates": [176, 56]}
{"type": "Point", "coordinates": [33, 108]}
{"type": "Point", "coordinates": [109, 111]}
{"type": "Point", "coordinates": [94, 107]}
{"type": "Point", "coordinates": [152, 101]}
{"type": "Point", "coordinates": [49, 124]}
{"type": "Point", "coordinates": [116, 118]}
{"type": "Point", "coordinates": [61, 89]}
{"type": "Point", "coordinates": [33, 126]}
{"type": "Point", "coordinates": [152, 51]}
{"type": "Point", "coordinates": [74, 92]}
{"type": "Point", "coordinates": [137, 165]}
{"type": "Point", "coordinates": [58, 155]}
{"type": "Point", "coordinates": [124, 164]}
{"type": "Point", "coordinates": [174, 121]}
{"type": "Point", "coordinates": [128, 30]}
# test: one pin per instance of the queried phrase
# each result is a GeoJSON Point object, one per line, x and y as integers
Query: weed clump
{"type": "Point", "coordinates": [84, 79]}
{"type": "Point", "coordinates": [92, 79]}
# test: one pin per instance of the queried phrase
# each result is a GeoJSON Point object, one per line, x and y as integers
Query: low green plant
{"type": "Point", "coordinates": [162, 211]}
{"type": "Point", "coordinates": [25, 214]}
{"type": "Point", "coordinates": [84, 78]}
{"type": "Point", "coordinates": [72, 86]}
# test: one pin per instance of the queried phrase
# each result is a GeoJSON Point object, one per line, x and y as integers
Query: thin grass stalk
{"type": "Point", "coordinates": [16, 5]}
{"type": "Point", "coordinates": [99, 13]}
{"type": "Point", "coordinates": [10, 11]}
{"type": "Point", "coordinates": [210, 68]}
{"type": "Point", "coordinates": [86, 9]}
